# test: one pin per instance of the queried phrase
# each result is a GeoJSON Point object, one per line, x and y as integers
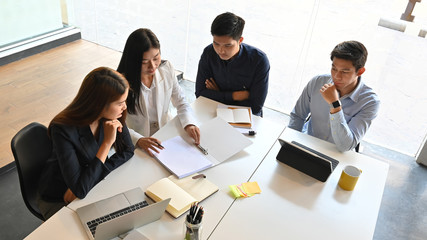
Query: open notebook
{"type": "Point", "coordinates": [219, 141]}
{"type": "Point", "coordinates": [238, 116]}
{"type": "Point", "coordinates": [183, 192]}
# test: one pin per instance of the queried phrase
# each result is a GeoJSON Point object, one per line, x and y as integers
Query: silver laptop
{"type": "Point", "coordinates": [119, 214]}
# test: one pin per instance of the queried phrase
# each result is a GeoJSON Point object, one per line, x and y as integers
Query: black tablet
{"type": "Point", "coordinates": [306, 160]}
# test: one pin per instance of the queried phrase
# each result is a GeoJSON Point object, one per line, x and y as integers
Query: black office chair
{"type": "Point", "coordinates": [31, 148]}
{"type": "Point", "coordinates": [357, 148]}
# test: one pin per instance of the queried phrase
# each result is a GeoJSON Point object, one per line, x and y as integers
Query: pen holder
{"type": "Point", "coordinates": [192, 231]}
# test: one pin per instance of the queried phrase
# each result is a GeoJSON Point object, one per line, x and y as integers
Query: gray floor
{"type": "Point", "coordinates": [16, 220]}
{"type": "Point", "coordinates": [402, 214]}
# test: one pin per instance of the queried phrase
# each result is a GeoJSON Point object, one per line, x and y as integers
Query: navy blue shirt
{"type": "Point", "coordinates": [247, 71]}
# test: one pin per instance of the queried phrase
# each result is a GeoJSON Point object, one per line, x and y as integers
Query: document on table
{"type": "Point", "coordinates": [221, 141]}
{"type": "Point", "coordinates": [182, 158]}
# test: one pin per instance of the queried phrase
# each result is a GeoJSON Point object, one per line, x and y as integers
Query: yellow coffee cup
{"type": "Point", "coordinates": [349, 177]}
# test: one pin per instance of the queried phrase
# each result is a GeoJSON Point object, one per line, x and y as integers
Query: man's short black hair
{"type": "Point", "coordinates": [228, 24]}
{"type": "Point", "coordinates": [353, 51]}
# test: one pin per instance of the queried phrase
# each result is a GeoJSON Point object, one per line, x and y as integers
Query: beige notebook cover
{"type": "Point", "coordinates": [183, 192]}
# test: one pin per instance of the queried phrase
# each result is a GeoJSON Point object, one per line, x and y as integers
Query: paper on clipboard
{"type": "Point", "coordinates": [182, 158]}
{"type": "Point", "coordinates": [220, 140]}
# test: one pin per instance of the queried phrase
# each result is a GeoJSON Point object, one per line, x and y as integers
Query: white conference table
{"type": "Point", "coordinates": [142, 170]}
{"type": "Point", "coordinates": [293, 205]}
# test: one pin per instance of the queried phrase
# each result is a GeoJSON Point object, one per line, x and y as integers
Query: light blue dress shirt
{"type": "Point", "coordinates": [345, 128]}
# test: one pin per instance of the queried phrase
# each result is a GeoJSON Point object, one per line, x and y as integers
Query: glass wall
{"type": "Point", "coordinates": [25, 19]}
{"type": "Point", "coordinates": [297, 37]}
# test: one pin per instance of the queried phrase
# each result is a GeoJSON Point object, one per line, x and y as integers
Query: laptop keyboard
{"type": "Point", "coordinates": [333, 161]}
{"type": "Point", "coordinates": [94, 223]}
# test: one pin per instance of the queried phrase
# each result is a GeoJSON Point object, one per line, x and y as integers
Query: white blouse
{"type": "Point", "coordinates": [164, 90]}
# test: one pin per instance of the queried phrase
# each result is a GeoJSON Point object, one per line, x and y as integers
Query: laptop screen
{"type": "Point", "coordinates": [118, 214]}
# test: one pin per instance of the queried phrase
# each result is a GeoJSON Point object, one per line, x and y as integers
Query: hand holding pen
{"type": "Point", "coordinates": [149, 144]}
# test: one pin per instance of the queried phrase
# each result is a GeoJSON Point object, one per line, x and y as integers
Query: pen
{"type": "Point", "coordinates": [160, 145]}
{"type": "Point", "coordinates": [193, 205]}
{"type": "Point", "coordinates": [199, 176]}
{"type": "Point", "coordinates": [199, 216]}
{"type": "Point", "coordinates": [204, 151]}
{"type": "Point", "coordinates": [195, 213]}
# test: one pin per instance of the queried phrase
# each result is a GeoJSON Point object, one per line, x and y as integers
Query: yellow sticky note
{"type": "Point", "coordinates": [251, 187]}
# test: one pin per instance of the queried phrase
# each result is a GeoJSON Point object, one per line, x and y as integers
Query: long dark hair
{"type": "Point", "coordinates": [138, 42]}
{"type": "Point", "coordinates": [99, 88]}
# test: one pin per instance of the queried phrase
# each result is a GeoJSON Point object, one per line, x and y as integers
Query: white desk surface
{"type": "Point", "coordinates": [142, 171]}
{"type": "Point", "coordinates": [293, 205]}
{"type": "Point", "coordinates": [62, 226]}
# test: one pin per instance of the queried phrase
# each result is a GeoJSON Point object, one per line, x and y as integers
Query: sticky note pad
{"type": "Point", "coordinates": [235, 191]}
{"type": "Point", "coordinates": [251, 187]}
{"type": "Point", "coordinates": [246, 189]}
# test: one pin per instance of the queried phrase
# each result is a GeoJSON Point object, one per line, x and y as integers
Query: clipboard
{"type": "Point", "coordinates": [219, 139]}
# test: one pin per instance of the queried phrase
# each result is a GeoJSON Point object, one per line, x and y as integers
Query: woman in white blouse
{"type": "Point", "coordinates": [153, 86]}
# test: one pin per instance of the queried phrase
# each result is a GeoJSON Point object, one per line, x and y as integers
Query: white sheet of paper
{"type": "Point", "coordinates": [182, 158]}
{"type": "Point", "coordinates": [218, 137]}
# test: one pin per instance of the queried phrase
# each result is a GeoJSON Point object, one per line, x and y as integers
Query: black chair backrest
{"type": "Point", "coordinates": [31, 148]}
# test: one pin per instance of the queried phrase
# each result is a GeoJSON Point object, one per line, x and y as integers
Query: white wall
{"type": "Point", "coordinates": [109, 23]}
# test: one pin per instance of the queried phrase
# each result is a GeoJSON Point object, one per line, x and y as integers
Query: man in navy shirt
{"type": "Point", "coordinates": [232, 72]}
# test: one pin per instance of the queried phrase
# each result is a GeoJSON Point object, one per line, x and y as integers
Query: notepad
{"type": "Point", "coordinates": [183, 192]}
{"type": "Point", "coordinates": [235, 115]}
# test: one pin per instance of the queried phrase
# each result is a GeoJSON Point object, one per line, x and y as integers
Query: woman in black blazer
{"type": "Point", "coordinates": [82, 135]}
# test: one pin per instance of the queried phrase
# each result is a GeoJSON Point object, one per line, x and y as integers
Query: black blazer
{"type": "Point", "coordinates": [73, 163]}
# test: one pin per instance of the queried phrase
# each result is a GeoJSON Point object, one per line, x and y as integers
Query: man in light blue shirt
{"type": "Point", "coordinates": [338, 107]}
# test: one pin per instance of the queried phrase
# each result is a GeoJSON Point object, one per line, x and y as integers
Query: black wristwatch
{"type": "Point", "coordinates": [335, 104]}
